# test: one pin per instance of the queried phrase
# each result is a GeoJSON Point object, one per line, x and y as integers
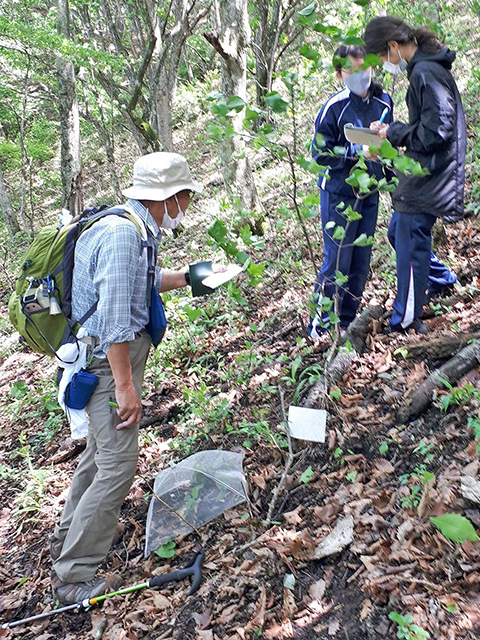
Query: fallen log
{"type": "Point", "coordinates": [451, 371]}
{"type": "Point", "coordinates": [440, 348]}
{"type": "Point", "coordinates": [356, 334]}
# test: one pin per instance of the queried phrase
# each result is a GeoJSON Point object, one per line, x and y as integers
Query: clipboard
{"type": "Point", "coordinates": [221, 277]}
{"type": "Point", "coordinates": [362, 135]}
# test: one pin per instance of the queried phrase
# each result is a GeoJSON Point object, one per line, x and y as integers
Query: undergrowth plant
{"type": "Point", "coordinates": [407, 629]}
{"type": "Point", "coordinates": [458, 396]}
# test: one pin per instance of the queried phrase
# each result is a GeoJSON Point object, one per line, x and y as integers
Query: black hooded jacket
{"type": "Point", "coordinates": [435, 137]}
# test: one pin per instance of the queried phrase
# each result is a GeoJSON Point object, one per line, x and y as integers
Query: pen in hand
{"type": "Point", "coordinates": [384, 115]}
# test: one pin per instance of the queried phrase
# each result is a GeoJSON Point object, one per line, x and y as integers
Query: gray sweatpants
{"type": "Point", "coordinates": [103, 476]}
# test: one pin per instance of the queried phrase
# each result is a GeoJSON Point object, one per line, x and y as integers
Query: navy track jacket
{"type": "Point", "coordinates": [342, 108]}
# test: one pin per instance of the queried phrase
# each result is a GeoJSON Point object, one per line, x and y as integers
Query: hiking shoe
{"type": "Point", "coordinates": [73, 592]}
{"type": "Point", "coordinates": [55, 547]}
{"type": "Point", "coordinates": [417, 325]}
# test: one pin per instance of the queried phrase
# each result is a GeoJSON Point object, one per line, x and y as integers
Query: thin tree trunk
{"type": "Point", "coordinates": [274, 18]}
{"type": "Point", "coordinates": [8, 215]}
{"type": "Point", "coordinates": [231, 41]}
{"type": "Point", "coordinates": [26, 224]}
{"type": "Point", "coordinates": [71, 167]}
{"type": "Point", "coordinates": [163, 111]}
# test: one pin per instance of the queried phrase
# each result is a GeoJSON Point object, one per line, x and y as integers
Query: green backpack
{"type": "Point", "coordinates": [40, 308]}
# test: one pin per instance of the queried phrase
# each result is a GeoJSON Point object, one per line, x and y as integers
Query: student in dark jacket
{"type": "Point", "coordinates": [360, 103]}
{"type": "Point", "coordinates": [436, 137]}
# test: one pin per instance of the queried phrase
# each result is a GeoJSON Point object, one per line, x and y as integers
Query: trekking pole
{"type": "Point", "coordinates": [193, 570]}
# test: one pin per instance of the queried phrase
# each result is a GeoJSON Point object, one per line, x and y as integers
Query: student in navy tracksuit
{"type": "Point", "coordinates": [359, 103]}
{"type": "Point", "coordinates": [436, 138]}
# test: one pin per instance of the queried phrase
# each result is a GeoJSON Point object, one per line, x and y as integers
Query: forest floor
{"type": "Point", "coordinates": [217, 387]}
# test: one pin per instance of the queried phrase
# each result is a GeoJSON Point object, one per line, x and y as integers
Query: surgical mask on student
{"type": "Point", "coordinates": [395, 69]}
{"type": "Point", "coordinates": [172, 223]}
{"type": "Point", "coordinates": [359, 82]}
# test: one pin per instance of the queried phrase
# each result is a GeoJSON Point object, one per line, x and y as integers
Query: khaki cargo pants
{"type": "Point", "coordinates": [103, 476]}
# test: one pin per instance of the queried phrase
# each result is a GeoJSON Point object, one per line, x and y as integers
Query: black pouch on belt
{"type": "Point", "coordinates": [80, 389]}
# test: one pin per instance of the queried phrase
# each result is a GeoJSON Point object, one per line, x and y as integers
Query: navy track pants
{"type": "Point", "coordinates": [417, 267]}
{"type": "Point", "coordinates": [354, 261]}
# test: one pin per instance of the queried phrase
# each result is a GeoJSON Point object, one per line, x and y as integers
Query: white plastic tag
{"type": "Point", "coordinates": [307, 424]}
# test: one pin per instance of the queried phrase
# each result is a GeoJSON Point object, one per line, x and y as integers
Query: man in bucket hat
{"type": "Point", "coordinates": [112, 270]}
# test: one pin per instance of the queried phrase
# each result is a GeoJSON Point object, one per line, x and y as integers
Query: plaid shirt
{"type": "Point", "coordinates": [111, 268]}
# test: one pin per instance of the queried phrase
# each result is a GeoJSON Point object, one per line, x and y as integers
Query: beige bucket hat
{"type": "Point", "coordinates": [158, 176]}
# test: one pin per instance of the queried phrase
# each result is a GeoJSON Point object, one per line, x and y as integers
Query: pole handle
{"type": "Point", "coordinates": [194, 570]}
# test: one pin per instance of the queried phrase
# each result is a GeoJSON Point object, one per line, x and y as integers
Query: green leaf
{"type": "Point", "coordinates": [371, 60]}
{"type": "Point", "coordinates": [236, 103]}
{"type": "Point", "coordinates": [310, 165]}
{"type": "Point", "coordinates": [351, 214]}
{"type": "Point", "coordinates": [355, 40]}
{"type": "Point", "coordinates": [385, 185]}
{"type": "Point", "coordinates": [330, 224]}
{"type": "Point", "coordinates": [363, 240]}
{"type": "Point", "coordinates": [308, 10]}
{"type": "Point", "coordinates": [220, 108]}
{"type": "Point", "coordinates": [18, 389]}
{"type": "Point", "coordinates": [252, 113]}
{"type": "Point", "coordinates": [335, 393]}
{"type": "Point", "coordinates": [455, 527]}
{"type": "Point", "coordinates": [387, 150]}
{"type": "Point", "coordinates": [22, 582]}
{"type": "Point", "coordinates": [362, 3]}
{"type": "Point", "coordinates": [218, 230]}
{"type": "Point", "coordinates": [192, 314]}
{"type": "Point", "coordinates": [167, 550]}
{"type": "Point", "coordinates": [409, 166]}
{"type": "Point", "coordinates": [307, 52]}
{"type": "Point", "coordinates": [340, 279]}
{"type": "Point", "coordinates": [339, 233]}
{"type": "Point", "coordinates": [326, 304]}
{"type": "Point", "coordinates": [276, 103]}
{"type": "Point", "coordinates": [399, 619]}
{"type": "Point", "coordinates": [383, 448]}
{"type": "Point", "coordinates": [214, 130]}
{"type": "Point", "coordinates": [246, 234]}
{"type": "Point", "coordinates": [294, 368]}
{"type": "Point", "coordinates": [361, 179]}
{"type": "Point", "coordinates": [256, 269]}
{"type": "Point", "coordinates": [306, 476]}
{"type": "Point", "coordinates": [401, 351]}
{"type": "Point", "coordinates": [427, 476]}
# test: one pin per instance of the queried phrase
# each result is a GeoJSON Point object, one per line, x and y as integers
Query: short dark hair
{"type": "Point", "coordinates": [382, 30]}
{"type": "Point", "coordinates": [345, 50]}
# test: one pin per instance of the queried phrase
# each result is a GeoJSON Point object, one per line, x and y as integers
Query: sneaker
{"type": "Point", "coordinates": [55, 547]}
{"type": "Point", "coordinates": [73, 592]}
{"type": "Point", "coordinates": [417, 325]}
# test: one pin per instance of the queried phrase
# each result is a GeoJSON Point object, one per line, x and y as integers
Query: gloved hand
{"type": "Point", "coordinates": [199, 272]}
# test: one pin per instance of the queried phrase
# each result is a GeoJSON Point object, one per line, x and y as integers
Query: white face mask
{"type": "Point", "coordinates": [395, 69]}
{"type": "Point", "coordinates": [169, 222]}
{"type": "Point", "coordinates": [359, 82]}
